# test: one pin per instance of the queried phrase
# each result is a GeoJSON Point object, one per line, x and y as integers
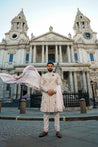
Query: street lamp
{"type": "Point", "coordinates": [92, 85]}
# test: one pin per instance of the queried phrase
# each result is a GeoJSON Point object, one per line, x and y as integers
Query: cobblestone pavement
{"type": "Point", "coordinates": [15, 133]}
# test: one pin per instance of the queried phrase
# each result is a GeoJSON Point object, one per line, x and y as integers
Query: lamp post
{"type": "Point", "coordinates": [92, 85]}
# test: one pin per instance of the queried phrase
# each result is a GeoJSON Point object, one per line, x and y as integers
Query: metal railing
{"type": "Point", "coordinates": [70, 99]}
{"type": "Point", "coordinates": [73, 99]}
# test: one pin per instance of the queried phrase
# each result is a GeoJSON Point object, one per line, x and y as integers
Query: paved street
{"type": "Point", "coordinates": [15, 133]}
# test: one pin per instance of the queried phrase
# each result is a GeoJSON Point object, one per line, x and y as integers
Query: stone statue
{"type": "Point", "coordinates": [32, 36]}
{"type": "Point", "coordinates": [58, 69]}
{"type": "Point", "coordinates": [69, 35]}
{"type": "Point", "coordinates": [50, 28]}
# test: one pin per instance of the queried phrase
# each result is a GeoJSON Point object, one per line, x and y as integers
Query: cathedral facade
{"type": "Point", "coordinates": [76, 59]}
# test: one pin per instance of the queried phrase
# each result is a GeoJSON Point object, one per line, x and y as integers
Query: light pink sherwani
{"type": "Point", "coordinates": [49, 103]}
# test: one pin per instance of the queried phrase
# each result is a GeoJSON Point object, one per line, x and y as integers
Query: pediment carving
{"type": "Point", "coordinates": [80, 40]}
{"type": "Point", "coordinates": [51, 36]}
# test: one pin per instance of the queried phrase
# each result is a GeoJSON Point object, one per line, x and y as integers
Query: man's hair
{"type": "Point", "coordinates": [50, 62]}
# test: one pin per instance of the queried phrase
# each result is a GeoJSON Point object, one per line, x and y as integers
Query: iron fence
{"type": "Point", "coordinates": [70, 99]}
{"type": "Point", "coordinates": [73, 99]}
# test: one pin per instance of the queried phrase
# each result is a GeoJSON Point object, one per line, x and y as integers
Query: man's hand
{"type": "Point", "coordinates": [51, 92]}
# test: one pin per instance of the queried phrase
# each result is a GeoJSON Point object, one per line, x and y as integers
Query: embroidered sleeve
{"type": "Point", "coordinates": [42, 84]}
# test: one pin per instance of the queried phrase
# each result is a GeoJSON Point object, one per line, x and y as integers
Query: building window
{"type": "Point", "coordinates": [91, 57]}
{"type": "Point", "coordinates": [76, 57]}
{"type": "Point", "coordinates": [27, 57]}
{"type": "Point", "coordinates": [11, 58]}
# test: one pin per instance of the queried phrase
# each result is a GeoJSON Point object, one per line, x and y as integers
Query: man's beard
{"type": "Point", "coordinates": [50, 70]}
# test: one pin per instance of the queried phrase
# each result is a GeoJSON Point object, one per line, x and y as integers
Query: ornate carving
{"type": "Point", "coordinates": [22, 41]}
{"type": "Point", "coordinates": [22, 47]}
{"type": "Point", "coordinates": [80, 40]}
{"type": "Point", "coordinates": [3, 41]}
{"type": "Point", "coordinates": [11, 51]}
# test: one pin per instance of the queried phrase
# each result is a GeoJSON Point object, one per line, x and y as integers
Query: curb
{"type": "Point", "coordinates": [51, 119]}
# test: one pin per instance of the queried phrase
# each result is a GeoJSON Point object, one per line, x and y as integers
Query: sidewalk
{"type": "Point", "coordinates": [34, 114]}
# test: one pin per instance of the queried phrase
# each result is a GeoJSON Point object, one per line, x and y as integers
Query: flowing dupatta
{"type": "Point", "coordinates": [31, 78]}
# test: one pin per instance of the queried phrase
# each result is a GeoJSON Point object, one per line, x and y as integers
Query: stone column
{"type": "Point", "coordinates": [84, 82]}
{"type": "Point", "coordinates": [46, 53]}
{"type": "Point", "coordinates": [19, 90]}
{"type": "Point", "coordinates": [75, 82]}
{"type": "Point", "coordinates": [15, 91]}
{"type": "Point", "coordinates": [42, 53]}
{"type": "Point", "coordinates": [2, 59]}
{"type": "Point", "coordinates": [71, 81]}
{"type": "Point", "coordinates": [32, 90]}
{"type": "Point", "coordinates": [30, 58]}
{"type": "Point", "coordinates": [72, 54]}
{"type": "Point", "coordinates": [1, 90]}
{"type": "Point", "coordinates": [60, 51]}
{"type": "Point", "coordinates": [79, 55]}
{"type": "Point", "coordinates": [56, 53]}
{"type": "Point", "coordinates": [23, 52]}
{"type": "Point", "coordinates": [28, 91]}
{"type": "Point", "coordinates": [68, 54]}
{"type": "Point", "coordinates": [34, 54]}
{"type": "Point", "coordinates": [88, 84]}
{"type": "Point", "coordinates": [62, 77]}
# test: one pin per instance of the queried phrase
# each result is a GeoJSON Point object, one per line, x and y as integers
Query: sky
{"type": "Point", "coordinates": [41, 14]}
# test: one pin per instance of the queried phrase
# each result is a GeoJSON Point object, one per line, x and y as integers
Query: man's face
{"type": "Point", "coordinates": [50, 67]}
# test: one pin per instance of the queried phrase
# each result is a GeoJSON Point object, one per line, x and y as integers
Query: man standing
{"type": "Point", "coordinates": [48, 84]}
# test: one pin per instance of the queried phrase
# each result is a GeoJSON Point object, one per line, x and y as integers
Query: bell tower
{"type": "Point", "coordinates": [82, 29]}
{"type": "Point", "coordinates": [19, 23]}
{"type": "Point", "coordinates": [81, 23]}
{"type": "Point", "coordinates": [18, 31]}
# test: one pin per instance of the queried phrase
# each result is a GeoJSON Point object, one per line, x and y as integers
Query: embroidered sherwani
{"type": "Point", "coordinates": [48, 104]}
{"type": "Point", "coordinates": [49, 81]}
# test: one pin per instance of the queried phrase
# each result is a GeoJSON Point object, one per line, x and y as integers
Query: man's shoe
{"type": "Point", "coordinates": [43, 134]}
{"type": "Point", "coordinates": [58, 134]}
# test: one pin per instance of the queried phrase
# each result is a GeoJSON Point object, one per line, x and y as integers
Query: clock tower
{"type": "Point", "coordinates": [82, 29]}
{"type": "Point", "coordinates": [18, 31]}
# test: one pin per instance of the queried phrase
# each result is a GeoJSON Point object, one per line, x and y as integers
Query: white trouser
{"type": "Point", "coordinates": [56, 121]}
